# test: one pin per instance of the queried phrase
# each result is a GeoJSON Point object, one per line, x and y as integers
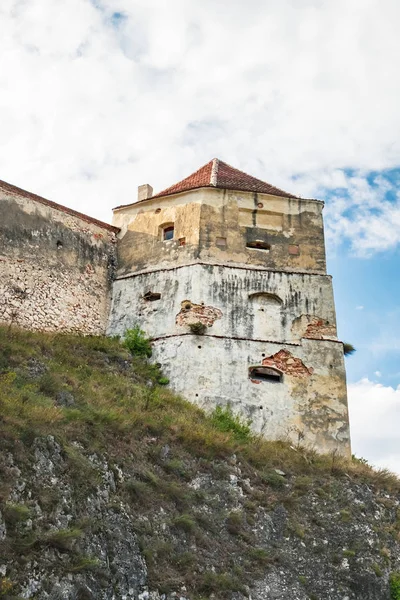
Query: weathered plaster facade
{"type": "Point", "coordinates": [225, 272]}
{"type": "Point", "coordinates": [249, 266]}
{"type": "Point", "coordinates": [56, 265]}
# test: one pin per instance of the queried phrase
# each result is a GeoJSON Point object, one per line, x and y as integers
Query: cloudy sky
{"type": "Point", "coordinates": [97, 97]}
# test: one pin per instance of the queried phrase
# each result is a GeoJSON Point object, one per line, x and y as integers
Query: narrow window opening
{"type": "Point", "coordinates": [259, 245]}
{"type": "Point", "coordinates": [182, 241]}
{"type": "Point", "coordinates": [220, 242]}
{"type": "Point", "coordinates": [59, 245]}
{"type": "Point", "coordinates": [157, 211]}
{"type": "Point", "coordinates": [265, 374]}
{"type": "Point", "coordinates": [151, 296]}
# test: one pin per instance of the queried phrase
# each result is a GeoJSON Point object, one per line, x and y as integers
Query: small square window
{"type": "Point", "coordinates": [168, 233]}
{"type": "Point", "coordinates": [220, 242]}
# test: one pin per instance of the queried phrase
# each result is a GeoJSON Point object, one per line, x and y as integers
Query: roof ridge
{"type": "Point", "coordinates": [214, 172]}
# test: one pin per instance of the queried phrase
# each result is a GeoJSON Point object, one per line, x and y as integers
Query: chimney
{"type": "Point", "coordinates": [144, 192]}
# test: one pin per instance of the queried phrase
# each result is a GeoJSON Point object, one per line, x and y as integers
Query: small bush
{"type": "Point", "coordinates": [224, 420]}
{"type": "Point", "coordinates": [234, 522]}
{"type": "Point", "coordinates": [184, 522]}
{"type": "Point", "coordinates": [394, 582]}
{"type": "Point", "coordinates": [345, 516]}
{"type": "Point", "coordinates": [262, 557]}
{"type": "Point", "coordinates": [348, 349]}
{"type": "Point", "coordinates": [62, 539]}
{"type": "Point", "coordinates": [198, 328]}
{"type": "Point", "coordinates": [83, 563]}
{"type": "Point", "coordinates": [214, 583]}
{"type": "Point", "coordinates": [6, 586]}
{"type": "Point", "coordinates": [15, 513]}
{"type": "Point", "coordinates": [274, 479]}
{"type": "Point", "coordinates": [137, 343]}
{"type": "Point", "coordinates": [138, 490]}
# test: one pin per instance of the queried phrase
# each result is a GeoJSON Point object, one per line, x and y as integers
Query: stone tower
{"type": "Point", "coordinates": [227, 274]}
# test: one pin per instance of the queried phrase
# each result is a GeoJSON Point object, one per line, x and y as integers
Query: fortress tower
{"type": "Point", "coordinates": [227, 274]}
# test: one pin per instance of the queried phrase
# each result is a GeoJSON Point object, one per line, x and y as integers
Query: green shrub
{"type": "Point", "coordinates": [62, 539]}
{"type": "Point", "coordinates": [345, 516]}
{"type": "Point", "coordinates": [137, 343]}
{"type": "Point", "coordinates": [214, 583]}
{"type": "Point", "coordinates": [15, 513]}
{"type": "Point", "coordinates": [224, 420]}
{"type": "Point", "coordinates": [348, 349]}
{"type": "Point", "coordinates": [394, 582]}
{"type": "Point", "coordinates": [83, 563]}
{"type": "Point", "coordinates": [163, 381]}
{"type": "Point", "coordinates": [234, 522]}
{"type": "Point", "coordinates": [198, 328]}
{"type": "Point", "coordinates": [184, 522]}
{"type": "Point", "coordinates": [273, 479]}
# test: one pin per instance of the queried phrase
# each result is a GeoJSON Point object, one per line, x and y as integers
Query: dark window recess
{"type": "Point", "coordinates": [265, 374]}
{"type": "Point", "coordinates": [59, 244]}
{"type": "Point", "coordinates": [182, 241]}
{"type": "Point", "coordinates": [168, 233]}
{"type": "Point", "coordinates": [151, 296]}
{"type": "Point", "coordinates": [259, 245]}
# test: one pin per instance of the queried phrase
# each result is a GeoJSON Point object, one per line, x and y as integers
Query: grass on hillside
{"type": "Point", "coordinates": [117, 394]}
{"type": "Point", "coordinates": [92, 391]}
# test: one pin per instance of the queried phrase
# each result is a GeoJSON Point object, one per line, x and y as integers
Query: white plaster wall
{"type": "Point", "coordinates": [211, 371]}
{"type": "Point", "coordinates": [228, 289]}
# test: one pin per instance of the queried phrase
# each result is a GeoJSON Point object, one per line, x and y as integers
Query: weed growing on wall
{"type": "Point", "coordinates": [198, 328]}
{"type": "Point", "coordinates": [137, 343]}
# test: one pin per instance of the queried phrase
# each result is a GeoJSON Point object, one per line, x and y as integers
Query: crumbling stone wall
{"type": "Point", "coordinates": [56, 266]}
{"type": "Point", "coordinates": [197, 313]}
{"type": "Point", "coordinates": [311, 326]}
{"type": "Point", "coordinates": [285, 362]}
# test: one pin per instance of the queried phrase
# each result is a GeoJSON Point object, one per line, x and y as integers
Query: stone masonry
{"type": "Point", "coordinates": [226, 274]}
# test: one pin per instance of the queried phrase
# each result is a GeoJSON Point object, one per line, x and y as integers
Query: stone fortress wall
{"type": "Point", "coordinates": [56, 265]}
{"type": "Point", "coordinates": [249, 266]}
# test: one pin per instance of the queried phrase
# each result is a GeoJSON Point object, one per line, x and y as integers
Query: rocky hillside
{"type": "Point", "coordinates": [111, 487]}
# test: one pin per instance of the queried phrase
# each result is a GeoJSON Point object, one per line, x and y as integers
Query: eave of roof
{"type": "Point", "coordinates": [8, 187]}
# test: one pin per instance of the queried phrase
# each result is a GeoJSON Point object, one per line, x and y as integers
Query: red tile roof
{"type": "Point", "coordinates": [12, 189]}
{"type": "Point", "coordinates": [219, 174]}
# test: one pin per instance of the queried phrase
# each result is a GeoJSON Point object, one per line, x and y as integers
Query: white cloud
{"type": "Point", "coordinates": [375, 421]}
{"type": "Point", "coordinates": [99, 97]}
{"type": "Point", "coordinates": [359, 307]}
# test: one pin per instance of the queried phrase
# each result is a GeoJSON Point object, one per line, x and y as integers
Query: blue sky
{"type": "Point", "coordinates": [98, 97]}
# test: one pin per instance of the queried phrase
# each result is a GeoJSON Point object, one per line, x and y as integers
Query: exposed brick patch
{"type": "Point", "coordinates": [287, 363]}
{"type": "Point", "coordinates": [308, 326]}
{"type": "Point", "coordinates": [197, 313]}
